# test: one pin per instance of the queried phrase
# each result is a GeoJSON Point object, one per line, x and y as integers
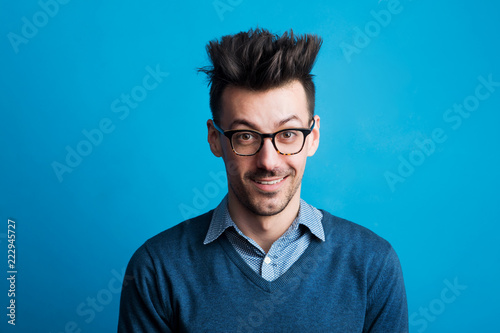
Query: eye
{"type": "Point", "coordinates": [245, 136]}
{"type": "Point", "coordinates": [287, 135]}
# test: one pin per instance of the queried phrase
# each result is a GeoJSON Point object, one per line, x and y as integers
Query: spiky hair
{"type": "Point", "coordinates": [259, 60]}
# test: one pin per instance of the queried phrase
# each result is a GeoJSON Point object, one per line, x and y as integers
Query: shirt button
{"type": "Point", "coordinates": [267, 260]}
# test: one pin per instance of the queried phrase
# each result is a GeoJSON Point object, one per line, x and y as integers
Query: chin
{"type": "Point", "coordinates": [267, 210]}
{"type": "Point", "coordinates": [270, 204]}
{"type": "Point", "coordinates": [263, 203]}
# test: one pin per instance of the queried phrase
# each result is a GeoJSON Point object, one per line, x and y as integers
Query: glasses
{"type": "Point", "coordinates": [288, 141]}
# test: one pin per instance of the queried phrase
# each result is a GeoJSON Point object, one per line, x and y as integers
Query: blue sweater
{"type": "Point", "coordinates": [352, 282]}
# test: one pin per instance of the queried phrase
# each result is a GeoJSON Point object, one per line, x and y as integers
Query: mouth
{"type": "Point", "coordinates": [268, 184]}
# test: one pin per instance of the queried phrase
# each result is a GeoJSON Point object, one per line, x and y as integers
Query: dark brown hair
{"type": "Point", "coordinates": [259, 60]}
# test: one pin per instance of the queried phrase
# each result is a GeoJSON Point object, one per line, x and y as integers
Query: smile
{"type": "Point", "coordinates": [269, 182]}
{"type": "Point", "coordinates": [269, 185]}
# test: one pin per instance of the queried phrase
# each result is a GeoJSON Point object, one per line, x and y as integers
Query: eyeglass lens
{"type": "Point", "coordinates": [287, 142]}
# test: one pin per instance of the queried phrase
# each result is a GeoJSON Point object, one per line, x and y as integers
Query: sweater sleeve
{"type": "Point", "coordinates": [387, 310]}
{"type": "Point", "coordinates": [141, 306]}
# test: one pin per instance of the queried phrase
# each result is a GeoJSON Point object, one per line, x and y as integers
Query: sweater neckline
{"type": "Point", "coordinates": [286, 277]}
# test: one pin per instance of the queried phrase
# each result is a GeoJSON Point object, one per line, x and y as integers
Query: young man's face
{"type": "Point", "coordinates": [266, 182]}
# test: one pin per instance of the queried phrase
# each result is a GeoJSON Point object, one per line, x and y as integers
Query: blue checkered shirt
{"type": "Point", "coordinates": [284, 251]}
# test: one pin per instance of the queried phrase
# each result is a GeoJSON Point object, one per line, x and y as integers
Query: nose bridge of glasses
{"type": "Point", "coordinates": [267, 149]}
{"type": "Point", "coordinates": [271, 137]}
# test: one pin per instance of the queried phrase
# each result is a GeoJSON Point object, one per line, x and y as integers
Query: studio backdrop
{"type": "Point", "coordinates": [103, 144]}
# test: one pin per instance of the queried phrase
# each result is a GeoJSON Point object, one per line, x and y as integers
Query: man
{"type": "Point", "coordinates": [264, 260]}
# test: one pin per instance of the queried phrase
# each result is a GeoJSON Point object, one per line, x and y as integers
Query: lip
{"type": "Point", "coordinates": [269, 187]}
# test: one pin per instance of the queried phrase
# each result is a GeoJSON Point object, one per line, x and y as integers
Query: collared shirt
{"type": "Point", "coordinates": [284, 251]}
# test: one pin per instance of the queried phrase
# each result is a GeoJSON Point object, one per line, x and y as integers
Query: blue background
{"type": "Point", "coordinates": [76, 233]}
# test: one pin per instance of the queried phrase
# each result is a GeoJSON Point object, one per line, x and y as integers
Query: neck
{"type": "Point", "coordinates": [264, 230]}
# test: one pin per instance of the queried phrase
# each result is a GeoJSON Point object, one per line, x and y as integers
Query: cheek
{"type": "Point", "coordinates": [298, 164]}
{"type": "Point", "coordinates": [229, 161]}
{"type": "Point", "coordinates": [235, 167]}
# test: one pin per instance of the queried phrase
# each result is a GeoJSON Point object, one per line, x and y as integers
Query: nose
{"type": "Point", "coordinates": [267, 157]}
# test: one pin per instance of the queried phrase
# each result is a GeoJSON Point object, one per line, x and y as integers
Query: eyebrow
{"type": "Point", "coordinates": [252, 125]}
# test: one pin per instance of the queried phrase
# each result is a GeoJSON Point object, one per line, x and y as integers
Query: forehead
{"type": "Point", "coordinates": [265, 110]}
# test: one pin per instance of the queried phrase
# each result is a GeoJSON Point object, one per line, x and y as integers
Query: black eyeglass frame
{"type": "Point", "coordinates": [229, 134]}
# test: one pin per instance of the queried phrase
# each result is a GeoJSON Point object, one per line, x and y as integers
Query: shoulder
{"type": "Point", "coordinates": [189, 231]}
{"type": "Point", "coordinates": [369, 261]}
{"type": "Point", "coordinates": [174, 241]}
{"type": "Point", "coordinates": [343, 231]}
{"type": "Point", "coordinates": [357, 244]}
{"type": "Point", "coordinates": [362, 250]}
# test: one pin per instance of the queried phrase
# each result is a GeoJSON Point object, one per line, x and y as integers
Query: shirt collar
{"type": "Point", "coordinates": [219, 223]}
{"type": "Point", "coordinates": [308, 216]}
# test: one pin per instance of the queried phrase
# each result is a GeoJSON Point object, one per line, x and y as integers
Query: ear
{"type": "Point", "coordinates": [314, 138]}
{"type": "Point", "coordinates": [213, 139]}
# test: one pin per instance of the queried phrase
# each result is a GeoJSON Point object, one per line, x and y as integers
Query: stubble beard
{"type": "Point", "coordinates": [259, 203]}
